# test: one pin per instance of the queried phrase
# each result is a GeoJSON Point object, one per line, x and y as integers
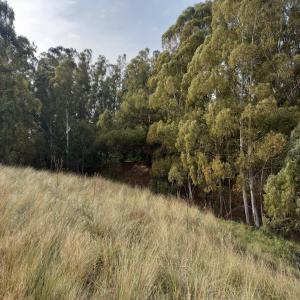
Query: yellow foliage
{"type": "Point", "coordinates": [271, 146]}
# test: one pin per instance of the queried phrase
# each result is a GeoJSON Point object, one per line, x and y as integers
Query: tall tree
{"type": "Point", "coordinates": [236, 68]}
{"type": "Point", "coordinates": [18, 106]}
{"type": "Point", "coordinates": [168, 95]}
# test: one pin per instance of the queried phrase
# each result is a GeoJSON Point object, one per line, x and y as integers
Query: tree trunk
{"type": "Point", "coordinates": [253, 201]}
{"type": "Point", "coordinates": [246, 206]}
{"type": "Point", "coordinates": [51, 146]}
{"type": "Point", "coordinates": [67, 135]}
{"type": "Point", "coordinates": [262, 192]}
{"type": "Point", "coordinates": [230, 198]}
{"type": "Point", "coordinates": [221, 199]}
{"type": "Point", "coordinates": [191, 197]}
{"type": "Point", "coordinates": [245, 198]}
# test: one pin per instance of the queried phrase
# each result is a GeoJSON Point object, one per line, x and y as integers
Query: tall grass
{"type": "Point", "coordinates": [68, 237]}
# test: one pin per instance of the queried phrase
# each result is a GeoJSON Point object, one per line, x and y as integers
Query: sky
{"type": "Point", "coordinates": [108, 27]}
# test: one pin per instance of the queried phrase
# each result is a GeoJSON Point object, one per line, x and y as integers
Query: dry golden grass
{"type": "Point", "coordinates": [67, 237]}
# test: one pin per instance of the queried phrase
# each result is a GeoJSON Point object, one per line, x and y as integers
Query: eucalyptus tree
{"type": "Point", "coordinates": [134, 110]}
{"type": "Point", "coordinates": [167, 96]}
{"type": "Point", "coordinates": [54, 88]}
{"type": "Point", "coordinates": [18, 107]}
{"type": "Point", "coordinates": [282, 197]}
{"type": "Point", "coordinates": [123, 129]}
{"type": "Point", "coordinates": [237, 69]}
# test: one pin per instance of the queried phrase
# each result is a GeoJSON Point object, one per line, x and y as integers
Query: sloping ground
{"type": "Point", "coordinates": [67, 237]}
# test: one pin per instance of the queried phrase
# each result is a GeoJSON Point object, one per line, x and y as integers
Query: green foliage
{"type": "Point", "coordinates": [122, 132]}
{"type": "Point", "coordinates": [161, 167]}
{"type": "Point", "coordinates": [122, 144]}
{"type": "Point", "coordinates": [236, 108]}
{"type": "Point", "coordinates": [177, 174]}
{"type": "Point", "coordinates": [105, 120]}
{"type": "Point", "coordinates": [19, 108]}
{"type": "Point", "coordinates": [163, 134]}
{"type": "Point", "coordinates": [282, 198]}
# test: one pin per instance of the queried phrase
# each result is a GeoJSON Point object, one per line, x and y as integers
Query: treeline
{"type": "Point", "coordinates": [215, 114]}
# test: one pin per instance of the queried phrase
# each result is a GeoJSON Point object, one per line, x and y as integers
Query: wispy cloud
{"type": "Point", "coordinates": [109, 27]}
{"type": "Point", "coordinates": [45, 22]}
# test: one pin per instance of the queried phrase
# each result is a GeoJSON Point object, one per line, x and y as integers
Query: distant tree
{"type": "Point", "coordinates": [123, 129]}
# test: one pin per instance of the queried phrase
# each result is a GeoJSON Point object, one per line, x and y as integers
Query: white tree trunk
{"type": "Point", "coordinates": [253, 201]}
{"type": "Point", "coordinates": [245, 198]}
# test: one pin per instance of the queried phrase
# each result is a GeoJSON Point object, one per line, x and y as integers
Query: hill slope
{"type": "Point", "coordinates": [67, 237]}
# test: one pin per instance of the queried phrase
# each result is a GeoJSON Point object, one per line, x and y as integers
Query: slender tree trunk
{"type": "Point", "coordinates": [253, 201]}
{"type": "Point", "coordinates": [229, 183]}
{"type": "Point", "coordinates": [262, 192]}
{"type": "Point", "coordinates": [221, 203]}
{"type": "Point", "coordinates": [221, 198]}
{"type": "Point", "coordinates": [191, 197]}
{"type": "Point", "coordinates": [51, 146]}
{"type": "Point", "coordinates": [83, 162]}
{"type": "Point", "coordinates": [251, 186]}
{"type": "Point", "coordinates": [67, 135]}
{"type": "Point", "coordinates": [230, 199]}
{"type": "Point", "coordinates": [262, 212]}
{"type": "Point", "coordinates": [246, 206]}
{"type": "Point", "coordinates": [245, 198]}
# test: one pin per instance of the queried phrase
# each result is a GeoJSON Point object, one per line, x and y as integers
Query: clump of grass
{"type": "Point", "coordinates": [93, 239]}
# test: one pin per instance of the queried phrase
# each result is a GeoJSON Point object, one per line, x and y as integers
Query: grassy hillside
{"type": "Point", "coordinates": [67, 237]}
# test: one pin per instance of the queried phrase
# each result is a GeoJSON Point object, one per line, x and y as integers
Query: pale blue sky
{"type": "Point", "coordinates": [108, 27]}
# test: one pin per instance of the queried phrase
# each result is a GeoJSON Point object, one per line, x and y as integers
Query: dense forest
{"type": "Point", "coordinates": [215, 114]}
